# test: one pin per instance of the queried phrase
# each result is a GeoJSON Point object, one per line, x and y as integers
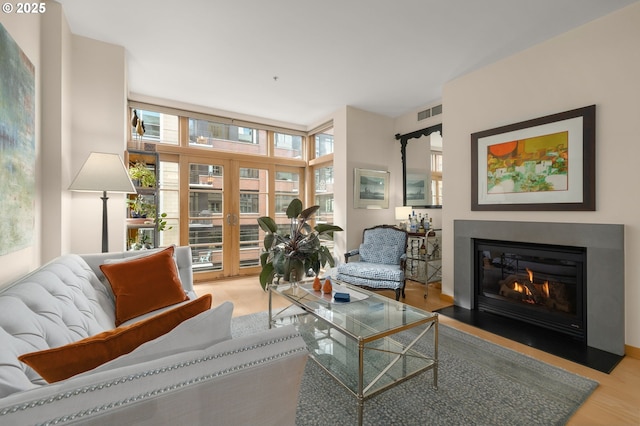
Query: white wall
{"type": "Point", "coordinates": [99, 124]}
{"type": "Point", "coordinates": [598, 63]}
{"type": "Point", "coordinates": [370, 144]}
{"type": "Point", "coordinates": [56, 129]}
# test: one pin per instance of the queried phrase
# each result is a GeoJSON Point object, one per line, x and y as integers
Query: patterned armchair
{"type": "Point", "coordinates": [382, 260]}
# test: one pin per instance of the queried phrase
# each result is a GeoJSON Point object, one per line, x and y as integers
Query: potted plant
{"type": "Point", "coordinates": [143, 239]}
{"type": "Point", "coordinates": [298, 250]}
{"type": "Point", "coordinates": [141, 175]}
{"type": "Point", "coordinates": [140, 208]}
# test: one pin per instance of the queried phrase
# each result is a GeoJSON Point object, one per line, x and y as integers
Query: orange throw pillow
{"type": "Point", "coordinates": [144, 285]}
{"type": "Point", "coordinates": [66, 361]}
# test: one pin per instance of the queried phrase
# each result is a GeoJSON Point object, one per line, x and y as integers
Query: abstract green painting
{"type": "Point", "coordinates": [17, 146]}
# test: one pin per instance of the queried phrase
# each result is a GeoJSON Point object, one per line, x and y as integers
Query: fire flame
{"type": "Point", "coordinates": [521, 288]}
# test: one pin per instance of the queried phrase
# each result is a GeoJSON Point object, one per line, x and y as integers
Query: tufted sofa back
{"type": "Point", "coordinates": [59, 303]}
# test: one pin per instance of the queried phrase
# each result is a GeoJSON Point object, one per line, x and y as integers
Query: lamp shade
{"type": "Point", "coordinates": [403, 212]}
{"type": "Point", "coordinates": [103, 172]}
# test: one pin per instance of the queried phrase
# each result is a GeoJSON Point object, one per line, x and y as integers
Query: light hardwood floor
{"type": "Point", "coordinates": [616, 401]}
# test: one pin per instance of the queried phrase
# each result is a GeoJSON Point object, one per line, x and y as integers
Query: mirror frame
{"type": "Point", "coordinates": [404, 139]}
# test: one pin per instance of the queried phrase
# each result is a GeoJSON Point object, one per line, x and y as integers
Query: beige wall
{"type": "Point", "coordinates": [598, 63]}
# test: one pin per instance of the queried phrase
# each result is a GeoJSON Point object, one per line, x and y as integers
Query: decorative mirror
{"type": "Point", "coordinates": [422, 167]}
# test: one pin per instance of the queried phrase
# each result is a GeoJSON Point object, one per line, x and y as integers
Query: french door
{"type": "Point", "coordinates": [222, 199]}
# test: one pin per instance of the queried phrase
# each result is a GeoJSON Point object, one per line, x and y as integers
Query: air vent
{"type": "Point", "coordinates": [424, 114]}
{"type": "Point", "coordinates": [430, 112]}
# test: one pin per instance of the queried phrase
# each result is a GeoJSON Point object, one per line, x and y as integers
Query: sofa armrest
{"type": "Point", "coordinates": [351, 253]}
{"type": "Point", "coordinates": [238, 381]}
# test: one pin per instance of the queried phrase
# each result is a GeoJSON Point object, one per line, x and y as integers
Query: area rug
{"type": "Point", "coordinates": [479, 383]}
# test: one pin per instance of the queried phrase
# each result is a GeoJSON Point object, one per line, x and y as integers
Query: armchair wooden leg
{"type": "Point", "coordinates": [398, 294]}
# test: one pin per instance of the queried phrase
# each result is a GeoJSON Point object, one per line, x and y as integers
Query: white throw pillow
{"type": "Point", "coordinates": [200, 332]}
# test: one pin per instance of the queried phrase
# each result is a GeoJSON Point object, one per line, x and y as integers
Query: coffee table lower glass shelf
{"type": "Point", "coordinates": [353, 341]}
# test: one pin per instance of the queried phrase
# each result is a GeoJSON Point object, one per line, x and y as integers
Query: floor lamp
{"type": "Point", "coordinates": [103, 172]}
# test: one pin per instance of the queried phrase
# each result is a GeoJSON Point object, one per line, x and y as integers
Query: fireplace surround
{"type": "Point", "coordinates": [604, 276]}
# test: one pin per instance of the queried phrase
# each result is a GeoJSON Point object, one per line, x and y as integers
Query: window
{"type": "Point", "coordinates": [324, 143]}
{"type": "Point", "coordinates": [323, 177]}
{"type": "Point", "coordinates": [436, 161]}
{"type": "Point", "coordinates": [436, 178]}
{"type": "Point", "coordinates": [324, 191]}
{"type": "Point", "coordinates": [227, 137]}
{"type": "Point", "coordinates": [249, 173]}
{"type": "Point", "coordinates": [250, 245]}
{"type": "Point", "coordinates": [210, 144]}
{"type": "Point", "coordinates": [323, 197]}
{"type": "Point", "coordinates": [169, 202]}
{"type": "Point", "coordinates": [205, 215]}
{"type": "Point", "coordinates": [289, 146]}
{"type": "Point", "coordinates": [287, 188]}
{"type": "Point", "coordinates": [249, 203]}
{"type": "Point", "coordinates": [158, 127]}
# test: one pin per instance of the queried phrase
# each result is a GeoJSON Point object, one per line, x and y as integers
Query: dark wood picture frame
{"type": "Point", "coordinates": [578, 192]}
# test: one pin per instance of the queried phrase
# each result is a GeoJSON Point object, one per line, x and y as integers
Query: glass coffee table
{"type": "Point", "coordinates": [357, 342]}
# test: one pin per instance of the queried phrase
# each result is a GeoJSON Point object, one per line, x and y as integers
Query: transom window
{"type": "Point", "coordinates": [289, 146]}
{"type": "Point", "coordinates": [156, 126]}
{"type": "Point", "coordinates": [324, 144]}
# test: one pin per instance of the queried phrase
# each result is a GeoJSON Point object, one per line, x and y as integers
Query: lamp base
{"type": "Point", "coordinates": [105, 232]}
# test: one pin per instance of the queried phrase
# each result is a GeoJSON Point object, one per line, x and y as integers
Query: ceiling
{"type": "Point", "coordinates": [297, 61]}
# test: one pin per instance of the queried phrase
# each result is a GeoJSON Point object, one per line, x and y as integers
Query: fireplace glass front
{"type": "Point", "coordinates": [539, 284]}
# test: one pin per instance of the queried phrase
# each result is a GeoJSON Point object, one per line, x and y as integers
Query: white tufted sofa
{"type": "Point", "coordinates": [248, 380]}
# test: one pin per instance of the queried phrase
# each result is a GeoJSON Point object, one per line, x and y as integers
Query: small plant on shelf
{"type": "Point", "coordinates": [141, 175]}
{"type": "Point", "coordinates": [143, 242]}
{"type": "Point", "coordinates": [140, 208]}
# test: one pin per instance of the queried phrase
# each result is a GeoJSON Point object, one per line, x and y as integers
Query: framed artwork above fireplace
{"type": "Point", "coordinates": [546, 163]}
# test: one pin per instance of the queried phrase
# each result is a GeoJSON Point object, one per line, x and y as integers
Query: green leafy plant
{"type": "Point", "coordinates": [298, 250]}
{"type": "Point", "coordinates": [141, 208]}
{"type": "Point", "coordinates": [143, 175]}
{"type": "Point", "coordinates": [161, 223]}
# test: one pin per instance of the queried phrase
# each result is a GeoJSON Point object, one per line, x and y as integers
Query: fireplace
{"type": "Point", "coordinates": [598, 320]}
{"type": "Point", "coordinates": [539, 284]}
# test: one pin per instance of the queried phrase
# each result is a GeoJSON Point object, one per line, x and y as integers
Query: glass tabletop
{"type": "Point", "coordinates": [366, 317]}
